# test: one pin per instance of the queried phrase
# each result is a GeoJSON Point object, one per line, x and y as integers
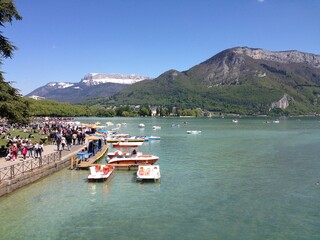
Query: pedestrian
{"type": "Point", "coordinates": [30, 148]}
{"type": "Point", "coordinates": [36, 149]}
{"type": "Point", "coordinates": [40, 149]}
{"type": "Point", "coordinates": [9, 154]}
{"type": "Point", "coordinates": [52, 137]}
{"type": "Point", "coordinates": [74, 137]}
{"type": "Point", "coordinates": [79, 137]}
{"type": "Point", "coordinates": [14, 152]}
{"type": "Point", "coordinates": [69, 141]}
{"type": "Point", "coordinates": [24, 152]}
{"type": "Point", "coordinates": [63, 142]}
{"type": "Point", "coordinates": [58, 141]}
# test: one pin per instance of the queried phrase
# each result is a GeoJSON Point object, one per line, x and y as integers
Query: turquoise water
{"type": "Point", "coordinates": [251, 180]}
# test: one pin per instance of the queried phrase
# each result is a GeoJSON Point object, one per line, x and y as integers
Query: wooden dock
{"type": "Point", "coordinates": [77, 163]}
{"type": "Point", "coordinates": [128, 167]}
{"type": "Point", "coordinates": [80, 164]}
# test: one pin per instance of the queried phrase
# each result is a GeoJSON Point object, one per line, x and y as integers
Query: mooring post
{"type": "Point", "coordinates": [77, 163]}
{"type": "Point", "coordinates": [71, 163]}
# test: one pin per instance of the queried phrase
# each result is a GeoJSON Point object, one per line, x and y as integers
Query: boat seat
{"type": "Point", "coordinates": [93, 171]}
{"type": "Point", "coordinates": [141, 171]}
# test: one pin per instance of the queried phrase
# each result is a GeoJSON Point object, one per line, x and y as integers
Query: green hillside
{"type": "Point", "coordinates": [232, 83]}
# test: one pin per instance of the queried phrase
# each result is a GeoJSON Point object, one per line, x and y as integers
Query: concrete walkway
{"type": "Point", "coordinates": [47, 149]}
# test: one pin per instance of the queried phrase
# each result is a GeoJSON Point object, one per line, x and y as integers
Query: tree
{"type": "Point", "coordinates": [8, 12]}
{"type": "Point", "coordinates": [144, 111]}
{"type": "Point", "coordinates": [12, 105]}
{"type": "Point", "coordinates": [121, 109]}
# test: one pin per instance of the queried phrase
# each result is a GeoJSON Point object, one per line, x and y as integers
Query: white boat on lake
{"type": "Point", "coordinates": [194, 132]}
{"type": "Point", "coordinates": [148, 172]}
{"type": "Point", "coordinates": [100, 173]}
{"type": "Point", "coordinates": [130, 158]}
{"type": "Point", "coordinates": [126, 144]}
{"type": "Point", "coordinates": [128, 154]}
{"type": "Point", "coordinates": [154, 138]}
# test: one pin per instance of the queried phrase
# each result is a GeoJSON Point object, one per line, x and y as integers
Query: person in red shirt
{"type": "Point", "coordinates": [14, 153]}
{"type": "Point", "coordinates": [24, 152]}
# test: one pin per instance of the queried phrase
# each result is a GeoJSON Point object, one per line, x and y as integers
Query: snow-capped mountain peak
{"type": "Point", "coordinates": [60, 84]}
{"type": "Point", "coordinates": [88, 87]}
{"type": "Point", "coordinates": [98, 78]}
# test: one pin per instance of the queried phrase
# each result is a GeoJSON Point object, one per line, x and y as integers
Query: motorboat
{"type": "Point", "coordinates": [148, 172]}
{"type": "Point", "coordinates": [138, 139]}
{"type": "Point", "coordinates": [127, 153]}
{"type": "Point", "coordinates": [130, 157]}
{"type": "Point", "coordinates": [235, 120]}
{"type": "Point", "coordinates": [194, 132]}
{"type": "Point", "coordinates": [100, 173]}
{"type": "Point", "coordinates": [114, 138]}
{"type": "Point", "coordinates": [154, 138]}
{"type": "Point", "coordinates": [276, 121]}
{"type": "Point", "coordinates": [156, 127]}
{"type": "Point", "coordinates": [141, 125]}
{"type": "Point", "coordinates": [126, 144]}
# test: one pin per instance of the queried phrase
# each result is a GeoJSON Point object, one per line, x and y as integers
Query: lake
{"type": "Point", "coordinates": [245, 180]}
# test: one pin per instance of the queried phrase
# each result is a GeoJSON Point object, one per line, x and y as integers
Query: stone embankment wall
{"type": "Point", "coordinates": [10, 185]}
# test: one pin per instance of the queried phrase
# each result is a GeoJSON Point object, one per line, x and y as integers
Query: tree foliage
{"type": "Point", "coordinates": [145, 111]}
{"type": "Point", "coordinates": [59, 109]}
{"type": "Point", "coordinates": [12, 105]}
{"type": "Point", "coordinates": [8, 13]}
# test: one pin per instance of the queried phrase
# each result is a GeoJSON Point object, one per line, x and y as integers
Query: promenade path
{"type": "Point", "coordinates": [47, 149]}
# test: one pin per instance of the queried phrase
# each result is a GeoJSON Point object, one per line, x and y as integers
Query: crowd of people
{"type": "Point", "coordinates": [25, 147]}
{"type": "Point", "coordinates": [63, 134]}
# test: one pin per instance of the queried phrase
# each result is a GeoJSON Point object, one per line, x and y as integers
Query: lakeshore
{"type": "Point", "coordinates": [22, 172]}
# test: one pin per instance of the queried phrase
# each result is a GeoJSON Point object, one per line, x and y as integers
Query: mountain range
{"type": "Point", "coordinates": [91, 85]}
{"type": "Point", "coordinates": [236, 80]}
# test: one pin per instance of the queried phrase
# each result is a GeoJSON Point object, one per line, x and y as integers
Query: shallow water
{"type": "Point", "coordinates": [251, 180]}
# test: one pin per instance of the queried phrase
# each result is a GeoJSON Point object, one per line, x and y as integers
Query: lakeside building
{"type": "Point", "coordinates": [37, 97]}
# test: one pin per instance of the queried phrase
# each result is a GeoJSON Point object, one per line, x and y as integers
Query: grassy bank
{"type": "Point", "coordinates": [23, 135]}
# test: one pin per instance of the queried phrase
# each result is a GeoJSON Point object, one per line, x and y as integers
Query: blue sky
{"type": "Point", "coordinates": [62, 40]}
